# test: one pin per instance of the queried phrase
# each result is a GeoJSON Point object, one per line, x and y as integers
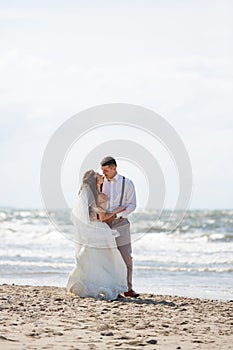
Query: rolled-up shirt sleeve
{"type": "Point", "coordinates": [129, 199]}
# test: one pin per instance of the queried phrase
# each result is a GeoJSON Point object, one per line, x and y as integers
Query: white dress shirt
{"type": "Point", "coordinates": [113, 189]}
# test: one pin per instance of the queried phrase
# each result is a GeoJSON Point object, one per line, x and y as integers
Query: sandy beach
{"type": "Point", "coordinates": [50, 318]}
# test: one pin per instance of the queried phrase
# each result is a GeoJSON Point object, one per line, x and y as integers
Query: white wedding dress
{"type": "Point", "coordinates": [100, 271]}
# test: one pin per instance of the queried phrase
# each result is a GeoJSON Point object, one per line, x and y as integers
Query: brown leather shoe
{"type": "Point", "coordinates": [120, 296]}
{"type": "Point", "coordinates": [131, 293]}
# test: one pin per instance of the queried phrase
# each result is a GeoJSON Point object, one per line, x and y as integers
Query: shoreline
{"type": "Point", "coordinates": [154, 289]}
{"type": "Point", "coordinates": [36, 317]}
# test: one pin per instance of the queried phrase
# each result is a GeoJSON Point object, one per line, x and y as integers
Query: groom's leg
{"type": "Point", "coordinates": [124, 245]}
{"type": "Point", "coordinates": [125, 251]}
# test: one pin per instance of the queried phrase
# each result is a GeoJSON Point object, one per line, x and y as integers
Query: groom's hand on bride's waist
{"type": "Point", "coordinates": [114, 218]}
{"type": "Point", "coordinates": [110, 219]}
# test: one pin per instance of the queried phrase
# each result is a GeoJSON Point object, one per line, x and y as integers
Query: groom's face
{"type": "Point", "coordinates": [109, 171]}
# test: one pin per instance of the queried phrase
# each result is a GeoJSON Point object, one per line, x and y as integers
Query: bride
{"type": "Point", "coordinates": [100, 271]}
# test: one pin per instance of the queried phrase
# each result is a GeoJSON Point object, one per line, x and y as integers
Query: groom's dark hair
{"type": "Point", "coordinates": [108, 161]}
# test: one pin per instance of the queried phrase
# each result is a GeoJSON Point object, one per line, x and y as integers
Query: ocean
{"type": "Point", "coordinates": [194, 260]}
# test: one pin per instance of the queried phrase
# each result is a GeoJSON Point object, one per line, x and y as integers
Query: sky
{"type": "Point", "coordinates": [58, 58]}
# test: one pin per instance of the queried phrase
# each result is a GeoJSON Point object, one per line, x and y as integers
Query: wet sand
{"type": "Point", "coordinates": [50, 318]}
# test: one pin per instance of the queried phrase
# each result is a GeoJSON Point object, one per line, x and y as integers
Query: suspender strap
{"type": "Point", "coordinates": [122, 191]}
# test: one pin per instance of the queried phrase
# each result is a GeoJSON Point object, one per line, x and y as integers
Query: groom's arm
{"type": "Point", "coordinates": [130, 200]}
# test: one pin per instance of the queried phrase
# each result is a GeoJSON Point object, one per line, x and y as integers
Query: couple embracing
{"type": "Point", "coordinates": [102, 235]}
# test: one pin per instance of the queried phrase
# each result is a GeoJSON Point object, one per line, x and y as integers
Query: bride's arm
{"type": "Point", "coordinates": [103, 214]}
{"type": "Point", "coordinates": [118, 210]}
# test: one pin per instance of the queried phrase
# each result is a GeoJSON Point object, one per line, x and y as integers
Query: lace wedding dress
{"type": "Point", "coordinates": [100, 271]}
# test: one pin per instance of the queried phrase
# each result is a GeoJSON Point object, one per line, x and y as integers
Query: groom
{"type": "Point", "coordinates": [120, 191]}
